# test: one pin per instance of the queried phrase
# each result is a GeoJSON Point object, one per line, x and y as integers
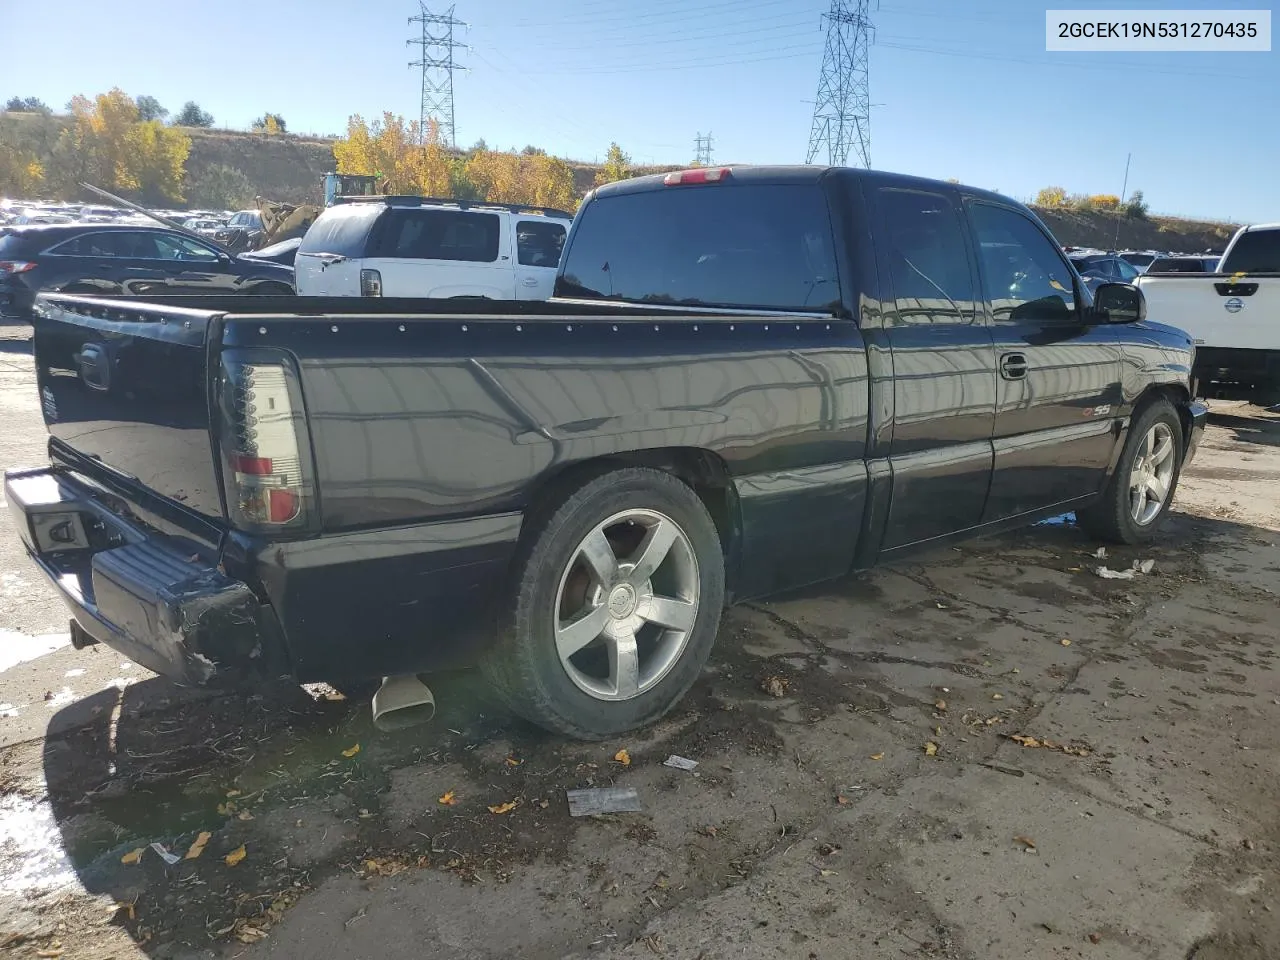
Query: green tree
{"type": "Point", "coordinates": [192, 116]}
{"type": "Point", "coordinates": [27, 105]}
{"type": "Point", "coordinates": [220, 187]}
{"type": "Point", "coordinates": [1135, 208]}
{"type": "Point", "coordinates": [617, 166]}
{"type": "Point", "coordinates": [149, 108]}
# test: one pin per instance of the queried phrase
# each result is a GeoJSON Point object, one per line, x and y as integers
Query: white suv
{"type": "Point", "coordinates": [417, 247]}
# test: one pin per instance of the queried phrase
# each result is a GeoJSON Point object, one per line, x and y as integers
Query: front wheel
{"type": "Point", "coordinates": [618, 594]}
{"type": "Point", "coordinates": [1141, 489]}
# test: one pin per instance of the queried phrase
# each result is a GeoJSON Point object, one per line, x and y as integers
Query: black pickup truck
{"type": "Point", "coordinates": [750, 379]}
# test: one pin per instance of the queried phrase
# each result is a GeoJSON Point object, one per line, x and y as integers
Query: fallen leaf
{"type": "Point", "coordinates": [197, 847]}
{"type": "Point", "coordinates": [55, 952]}
{"type": "Point", "coordinates": [504, 807]}
{"type": "Point", "coordinates": [244, 815]}
{"type": "Point", "coordinates": [827, 873]}
{"type": "Point", "coordinates": [940, 705]}
{"type": "Point", "coordinates": [133, 856]}
{"type": "Point", "coordinates": [1095, 938]}
{"type": "Point", "coordinates": [930, 749]}
{"type": "Point", "coordinates": [233, 793]}
{"type": "Point", "coordinates": [937, 731]}
{"type": "Point", "coordinates": [124, 905]}
{"type": "Point", "coordinates": [542, 804]}
{"type": "Point", "coordinates": [513, 761]}
{"type": "Point", "coordinates": [352, 750]}
{"type": "Point", "coordinates": [997, 696]}
{"type": "Point", "coordinates": [775, 686]}
{"type": "Point", "coordinates": [622, 757]}
{"type": "Point", "coordinates": [235, 856]}
{"type": "Point", "coordinates": [1026, 841]}
{"type": "Point", "coordinates": [1065, 642]}
{"type": "Point", "coordinates": [449, 799]}
{"type": "Point", "coordinates": [842, 800]}
{"type": "Point", "coordinates": [1025, 741]}
{"type": "Point", "coordinates": [877, 756]}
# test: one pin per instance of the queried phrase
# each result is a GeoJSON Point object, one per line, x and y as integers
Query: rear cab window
{"type": "Point", "coordinates": [417, 234]}
{"type": "Point", "coordinates": [1255, 251]}
{"type": "Point", "coordinates": [754, 246]}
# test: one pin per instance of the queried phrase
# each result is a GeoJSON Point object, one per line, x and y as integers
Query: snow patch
{"type": "Point", "coordinates": [16, 647]}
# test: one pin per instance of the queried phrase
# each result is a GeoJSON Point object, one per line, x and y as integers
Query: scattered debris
{"type": "Point", "coordinates": [877, 756]}
{"type": "Point", "coordinates": [235, 856]}
{"type": "Point", "coordinates": [597, 800]}
{"type": "Point", "coordinates": [1027, 842]}
{"type": "Point", "coordinates": [1065, 642]}
{"type": "Point", "coordinates": [513, 761]}
{"type": "Point", "coordinates": [133, 856]}
{"type": "Point", "coordinates": [680, 763]}
{"type": "Point", "coordinates": [1095, 938]}
{"type": "Point", "coordinates": [449, 799]}
{"type": "Point", "coordinates": [997, 696]}
{"type": "Point", "coordinates": [622, 757]}
{"type": "Point", "coordinates": [930, 749]}
{"type": "Point", "coordinates": [352, 750]}
{"type": "Point", "coordinates": [384, 866]}
{"type": "Point", "coordinates": [1100, 553]}
{"type": "Point", "coordinates": [165, 855]}
{"type": "Point", "coordinates": [504, 807]}
{"type": "Point", "coordinates": [1050, 745]}
{"type": "Point", "coordinates": [1139, 567]}
{"type": "Point", "coordinates": [775, 686]}
{"type": "Point", "coordinates": [198, 846]}
{"type": "Point", "coordinates": [244, 815]}
{"type": "Point", "coordinates": [940, 705]}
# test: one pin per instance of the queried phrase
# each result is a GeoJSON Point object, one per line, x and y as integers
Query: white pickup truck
{"type": "Point", "coordinates": [1232, 316]}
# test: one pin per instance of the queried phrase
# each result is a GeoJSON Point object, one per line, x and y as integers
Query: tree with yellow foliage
{"type": "Point", "coordinates": [617, 166]}
{"type": "Point", "coordinates": [108, 145]}
{"type": "Point", "coordinates": [387, 148]}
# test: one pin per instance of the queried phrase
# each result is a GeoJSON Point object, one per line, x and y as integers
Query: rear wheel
{"type": "Point", "coordinates": [1141, 489]}
{"type": "Point", "coordinates": [271, 290]}
{"type": "Point", "coordinates": [618, 594]}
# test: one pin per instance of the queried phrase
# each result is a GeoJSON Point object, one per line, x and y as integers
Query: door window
{"type": "Point", "coordinates": [100, 245]}
{"type": "Point", "coordinates": [1126, 271]}
{"type": "Point", "coordinates": [538, 243]}
{"type": "Point", "coordinates": [928, 258]}
{"type": "Point", "coordinates": [437, 235]}
{"type": "Point", "coordinates": [1026, 278]}
{"type": "Point", "coordinates": [173, 247]}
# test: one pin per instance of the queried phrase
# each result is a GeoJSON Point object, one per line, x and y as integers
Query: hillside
{"type": "Point", "coordinates": [281, 168]}
{"type": "Point", "coordinates": [1096, 229]}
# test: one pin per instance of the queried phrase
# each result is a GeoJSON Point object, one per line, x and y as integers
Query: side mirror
{"type": "Point", "coordinates": [1119, 303]}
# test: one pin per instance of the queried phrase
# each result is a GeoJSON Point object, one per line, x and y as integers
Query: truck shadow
{"type": "Point", "coordinates": [156, 763]}
{"type": "Point", "coordinates": [1258, 429]}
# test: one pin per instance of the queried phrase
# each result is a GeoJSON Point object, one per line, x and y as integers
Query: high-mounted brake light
{"type": "Point", "coordinates": [264, 475]}
{"type": "Point", "coordinates": [698, 175]}
{"type": "Point", "coordinates": [16, 266]}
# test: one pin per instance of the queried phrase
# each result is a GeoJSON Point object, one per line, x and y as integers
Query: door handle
{"type": "Point", "coordinates": [1013, 366]}
{"type": "Point", "coordinates": [530, 281]}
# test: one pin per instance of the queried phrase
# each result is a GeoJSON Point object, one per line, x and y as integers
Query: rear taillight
{"type": "Point", "coordinates": [266, 457]}
{"type": "Point", "coordinates": [370, 283]}
{"type": "Point", "coordinates": [16, 266]}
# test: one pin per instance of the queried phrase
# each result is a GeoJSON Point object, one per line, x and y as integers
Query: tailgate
{"type": "Point", "coordinates": [1217, 310]}
{"type": "Point", "coordinates": [126, 384]}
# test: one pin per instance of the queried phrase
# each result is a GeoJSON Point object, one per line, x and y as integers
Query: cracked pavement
{"type": "Point", "coordinates": [1134, 816]}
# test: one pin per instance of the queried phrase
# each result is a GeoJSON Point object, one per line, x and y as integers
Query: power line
{"type": "Point", "coordinates": [436, 45]}
{"type": "Point", "coordinates": [842, 110]}
{"type": "Point", "coordinates": [702, 149]}
{"type": "Point", "coordinates": [686, 64]}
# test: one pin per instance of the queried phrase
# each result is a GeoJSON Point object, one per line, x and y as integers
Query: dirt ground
{"type": "Point", "coordinates": [989, 752]}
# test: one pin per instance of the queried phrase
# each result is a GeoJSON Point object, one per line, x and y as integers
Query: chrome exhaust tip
{"type": "Point", "coordinates": [401, 702]}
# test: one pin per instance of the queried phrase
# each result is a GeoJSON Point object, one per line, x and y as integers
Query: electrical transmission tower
{"type": "Point", "coordinates": [436, 45]}
{"type": "Point", "coordinates": [842, 112]}
{"type": "Point", "coordinates": [702, 149]}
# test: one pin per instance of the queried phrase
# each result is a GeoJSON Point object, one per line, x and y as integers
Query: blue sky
{"type": "Point", "coordinates": [961, 89]}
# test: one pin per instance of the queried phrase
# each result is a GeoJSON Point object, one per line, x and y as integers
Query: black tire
{"type": "Point", "coordinates": [524, 665]}
{"type": "Point", "coordinates": [1111, 518]}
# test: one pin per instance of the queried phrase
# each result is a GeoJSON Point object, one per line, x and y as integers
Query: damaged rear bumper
{"type": "Point", "coordinates": [159, 600]}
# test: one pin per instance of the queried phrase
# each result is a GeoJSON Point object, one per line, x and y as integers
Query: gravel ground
{"type": "Point", "coordinates": [988, 752]}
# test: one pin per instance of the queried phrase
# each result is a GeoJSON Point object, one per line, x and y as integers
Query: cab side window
{"type": "Point", "coordinates": [928, 258]}
{"type": "Point", "coordinates": [1026, 279]}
